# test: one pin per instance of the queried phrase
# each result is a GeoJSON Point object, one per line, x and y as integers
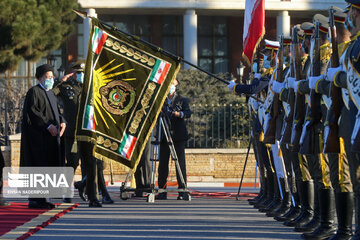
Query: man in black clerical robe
{"type": "Point", "coordinates": [42, 128]}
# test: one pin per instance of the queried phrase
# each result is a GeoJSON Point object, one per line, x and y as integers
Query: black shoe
{"type": "Point", "coordinates": [51, 206]}
{"type": "Point", "coordinates": [4, 204]}
{"type": "Point", "coordinates": [66, 200]}
{"type": "Point", "coordinates": [80, 188]}
{"type": "Point", "coordinates": [183, 196]}
{"type": "Point", "coordinates": [38, 205]}
{"type": "Point", "coordinates": [161, 196]}
{"type": "Point", "coordinates": [95, 203]}
{"type": "Point", "coordinates": [107, 200]}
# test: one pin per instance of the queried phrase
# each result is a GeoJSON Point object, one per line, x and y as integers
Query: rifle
{"type": "Point", "coordinates": [299, 108]}
{"type": "Point", "coordinates": [307, 145]}
{"type": "Point", "coordinates": [331, 131]}
{"type": "Point", "coordinates": [286, 138]}
{"type": "Point", "coordinates": [269, 132]}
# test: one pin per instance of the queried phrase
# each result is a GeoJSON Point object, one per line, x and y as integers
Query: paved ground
{"type": "Point", "coordinates": [201, 218]}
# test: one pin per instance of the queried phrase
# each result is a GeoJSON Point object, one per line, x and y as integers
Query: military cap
{"type": "Point", "coordinates": [287, 41]}
{"type": "Point", "coordinates": [42, 69]}
{"type": "Point", "coordinates": [354, 3]}
{"type": "Point", "coordinates": [300, 32]}
{"type": "Point", "coordinates": [339, 14]}
{"type": "Point", "coordinates": [323, 22]}
{"type": "Point", "coordinates": [271, 45]}
{"type": "Point", "coordinates": [347, 8]}
{"type": "Point", "coordinates": [79, 66]}
{"type": "Point", "coordinates": [307, 27]}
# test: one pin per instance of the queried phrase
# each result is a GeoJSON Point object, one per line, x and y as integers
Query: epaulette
{"type": "Point", "coordinates": [355, 51]}
{"type": "Point", "coordinates": [325, 52]}
{"type": "Point", "coordinates": [355, 54]}
{"type": "Point", "coordinates": [342, 47]}
{"type": "Point", "coordinates": [268, 72]}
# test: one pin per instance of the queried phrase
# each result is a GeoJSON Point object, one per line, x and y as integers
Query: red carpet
{"type": "Point", "coordinates": [17, 214]}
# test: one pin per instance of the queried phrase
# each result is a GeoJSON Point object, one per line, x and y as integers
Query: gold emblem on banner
{"type": "Point", "coordinates": [117, 97]}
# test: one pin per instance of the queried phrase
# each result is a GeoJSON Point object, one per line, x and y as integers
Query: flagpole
{"type": "Point", "coordinates": [137, 38]}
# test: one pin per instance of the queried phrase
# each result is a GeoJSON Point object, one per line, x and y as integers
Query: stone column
{"type": "Point", "coordinates": [91, 13]}
{"type": "Point", "coordinates": [190, 38]}
{"type": "Point", "coordinates": [283, 24]}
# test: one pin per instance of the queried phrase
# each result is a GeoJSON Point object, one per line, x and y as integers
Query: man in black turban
{"type": "Point", "coordinates": [42, 128]}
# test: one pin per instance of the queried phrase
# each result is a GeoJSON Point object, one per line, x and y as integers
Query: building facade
{"type": "Point", "coordinates": [207, 33]}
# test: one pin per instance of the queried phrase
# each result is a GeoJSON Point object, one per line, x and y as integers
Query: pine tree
{"type": "Point", "coordinates": [29, 29]}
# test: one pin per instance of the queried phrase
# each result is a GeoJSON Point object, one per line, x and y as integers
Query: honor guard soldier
{"type": "Point", "coordinates": [287, 96]}
{"type": "Point", "coordinates": [306, 185]}
{"type": "Point", "coordinates": [338, 149]}
{"type": "Point", "coordinates": [311, 143]}
{"type": "Point", "coordinates": [346, 76]}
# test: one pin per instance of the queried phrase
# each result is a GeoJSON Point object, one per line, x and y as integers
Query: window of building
{"type": "Point", "coordinates": [137, 24]}
{"type": "Point", "coordinates": [213, 44]}
{"type": "Point", "coordinates": [172, 35]}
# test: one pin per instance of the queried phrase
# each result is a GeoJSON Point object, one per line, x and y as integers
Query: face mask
{"type": "Point", "coordinates": [266, 63]}
{"type": "Point", "coordinates": [49, 83]}
{"type": "Point", "coordinates": [254, 67]}
{"type": "Point", "coordinates": [172, 89]}
{"type": "Point", "coordinates": [80, 77]}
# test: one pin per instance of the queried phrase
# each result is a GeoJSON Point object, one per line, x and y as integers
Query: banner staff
{"type": "Point", "coordinates": [136, 38]}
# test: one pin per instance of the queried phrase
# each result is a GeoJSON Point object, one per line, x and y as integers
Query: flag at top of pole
{"type": "Point", "coordinates": [254, 27]}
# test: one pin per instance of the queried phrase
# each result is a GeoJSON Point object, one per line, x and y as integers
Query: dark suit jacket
{"type": "Point", "coordinates": [38, 147]}
{"type": "Point", "coordinates": [177, 124]}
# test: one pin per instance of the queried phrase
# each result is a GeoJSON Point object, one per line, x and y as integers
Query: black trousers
{"type": "Point", "coordinates": [90, 164]}
{"type": "Point", "coordinates": [163, 170]}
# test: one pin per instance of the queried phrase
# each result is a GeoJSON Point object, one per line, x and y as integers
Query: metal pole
{"type": "Point", "coordinates": [242, 176]}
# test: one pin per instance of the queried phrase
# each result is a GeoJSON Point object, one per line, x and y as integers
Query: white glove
{"type": "Point", "coordinates": [277, 86]}
{"type": "Point", "coordinates": [231, 85]}
{"type": "Point", "coordinates": [294, 85]}
{"type": "Point", "coordinates": [290, 81]}
{"type": "Point", "coordinates": [314, 80]}
{"type": "Point", "coordinates": [331, 72]}
{"type": "Point", "coordinates": [257, 75]}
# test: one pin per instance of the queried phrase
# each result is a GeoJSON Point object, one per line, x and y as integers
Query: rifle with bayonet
{"type": "Point", "coordinates": [331, 132]}
{"type": "Point", "coordinates": [286, 138]}
{"type": "Point", "coordinates": [299, 108]}
{"type": "Point", "coordinates": [307, 145]}
{"type": "Point", "coordinates": [270, 126]}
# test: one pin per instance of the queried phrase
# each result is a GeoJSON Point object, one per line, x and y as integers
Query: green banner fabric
{"type": "Point", "coordinates": [126, 83]}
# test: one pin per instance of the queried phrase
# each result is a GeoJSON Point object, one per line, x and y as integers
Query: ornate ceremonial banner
{"type": "Point", "coordinates": [126, 83]}
{"type": "Point", "coordinates": [254, 27]}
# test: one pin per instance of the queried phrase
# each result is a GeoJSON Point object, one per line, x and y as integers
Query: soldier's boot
{"type": "Point", "coordinates": [327, 213]}
{"type": "Point", "coordinates": [357, 217]}
{"type": "Point", "coordinates": [261, 194]}
{"type": "Point", "coordinates": [102, 187]}
{"type": "Point", "coordinates": [294, 210]}
{"type": "Point", "coordinates": [344, 211]}
{"type": "Point", "coordinates": [269, 193]}
{"type": "Point", "coordinates": [312, 223]}
{"type": "Point", "coordinates": [276, 201]}
{"type": "Point", "coordinates": [307, 204]}
{"type": "Point", "coordinates": [285, 203]}
{"type": "Point", "coordinates": [81, 187]}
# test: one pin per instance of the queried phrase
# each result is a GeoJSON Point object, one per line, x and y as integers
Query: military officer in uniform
{"type": "Point", "coordinates": [68, 91]}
